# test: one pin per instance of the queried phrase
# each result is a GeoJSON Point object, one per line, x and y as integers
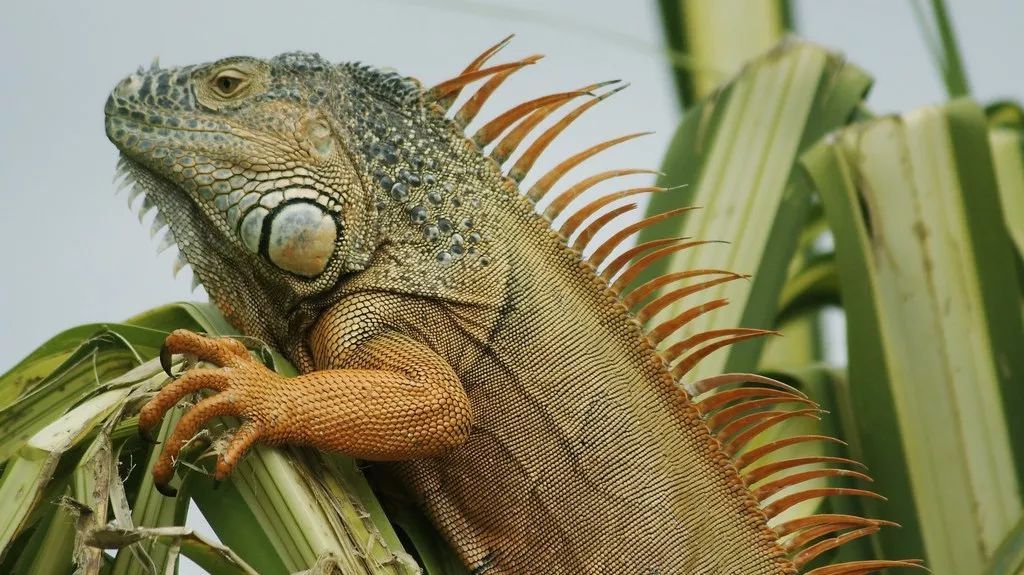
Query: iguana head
{"type": "Point", "coordinates": [255, 165]}
{"type": "Point", "coordinates": [257, 147]}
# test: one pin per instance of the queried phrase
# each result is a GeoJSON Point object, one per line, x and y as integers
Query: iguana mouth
{"type": "Point", "coordinates": [134, 131]}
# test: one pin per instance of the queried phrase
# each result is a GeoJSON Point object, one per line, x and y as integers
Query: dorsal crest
{"type": "Point", "coordinates": [736, 408]}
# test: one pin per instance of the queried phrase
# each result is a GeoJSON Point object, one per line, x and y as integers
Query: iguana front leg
{"type": "Point", "coordinates": [406, 403]}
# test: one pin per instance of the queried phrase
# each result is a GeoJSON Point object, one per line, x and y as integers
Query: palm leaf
{"type": "Point", "coordinates": [737, 152]}
{"type": "Point", "coordinates": [934, 326]}
{"type": "Point", "coordinates": [74, 454]}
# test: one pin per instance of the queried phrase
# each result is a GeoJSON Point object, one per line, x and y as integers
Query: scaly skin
{"type": "Point", "coordinates": [441, 327]}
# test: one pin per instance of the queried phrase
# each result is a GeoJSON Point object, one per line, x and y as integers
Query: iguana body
{"type": "Point", "coordinates": [442, 326]}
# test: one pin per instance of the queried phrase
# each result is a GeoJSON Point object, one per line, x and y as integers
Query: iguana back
{"type": "Point", "coordinates": [585, 456]}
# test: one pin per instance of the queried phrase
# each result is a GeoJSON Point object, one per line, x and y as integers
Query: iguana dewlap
{"type": "Point", "coordinates": [444, 327]}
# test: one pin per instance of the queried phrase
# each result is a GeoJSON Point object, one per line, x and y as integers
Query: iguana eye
{"type": "Point", "coordinates": [228, 82]}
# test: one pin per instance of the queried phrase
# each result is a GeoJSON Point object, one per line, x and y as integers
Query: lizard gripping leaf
{"type": "Point", "coordinates": [544, 409]}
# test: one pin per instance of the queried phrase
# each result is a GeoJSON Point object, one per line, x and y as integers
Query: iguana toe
{"type": "Point", "coordinates": [190, 424]}
{"type": "Point", "coordinates": [166, 490]}
{"type": "Point", "coordinates": [172, 393]}
{"type": "Point", "coordinates": [241, 383]}
{"type": "Point", "coordinates": [147, 436]}
{"type": "Point", "coordinates": [246, 436]}
{"type": "Point", "coordinates": [220, 351]}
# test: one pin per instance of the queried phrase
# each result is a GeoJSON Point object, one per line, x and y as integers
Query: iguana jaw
{"type": "Point", "coordinates": [258, 303]}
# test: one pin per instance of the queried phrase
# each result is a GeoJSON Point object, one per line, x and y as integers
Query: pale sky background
{"type": "Point", "coordinates": [74, 253]}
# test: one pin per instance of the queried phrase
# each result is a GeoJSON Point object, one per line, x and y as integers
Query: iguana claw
{"type": "Point", "coordinates": [165, 489]}
{"type": "Point", "coordinates": [165, 360]}
{"type": "Point", "coordinates": [147, 437]}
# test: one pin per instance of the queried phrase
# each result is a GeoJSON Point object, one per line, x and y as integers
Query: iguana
{"type": "Point", "coordinates": [444, 328]}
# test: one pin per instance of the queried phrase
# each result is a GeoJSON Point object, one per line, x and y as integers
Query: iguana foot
{"type": "Point", "coordinates": [247, 390]}
{"type": "Point", "coordinates": [399, 400]}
